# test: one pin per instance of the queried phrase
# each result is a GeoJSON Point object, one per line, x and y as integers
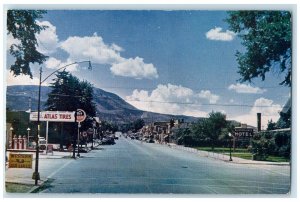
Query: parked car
{"type": "Point", "coordinates": [42, 143]}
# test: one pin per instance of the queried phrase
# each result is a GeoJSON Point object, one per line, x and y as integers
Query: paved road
{"type": "Point", "coordinates": [134, 167]}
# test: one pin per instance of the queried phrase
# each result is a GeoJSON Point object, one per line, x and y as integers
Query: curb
{"type": "Point", "coordinates": [35, 187]}
{"type": "Point", "coordinates": [237, 162]}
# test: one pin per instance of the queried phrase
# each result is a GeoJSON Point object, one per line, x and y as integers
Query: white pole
{"type": "Point", "coordinates": [78, 139]}
{"type": "Point", "coordinates": [47, 126]}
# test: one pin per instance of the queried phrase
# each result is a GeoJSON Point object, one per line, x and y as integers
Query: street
{"type": "Point", "coordinates": [132, 167]}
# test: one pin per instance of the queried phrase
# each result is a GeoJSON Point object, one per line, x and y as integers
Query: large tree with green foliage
{"type": "Point", "coordinates": [22, 25]}
{"type": "Point", "coordinates": [69, 93]}
{"type": "Point", "coordinates": [267, 37]}
{"type": "Point", "coordinates": [210, 130]}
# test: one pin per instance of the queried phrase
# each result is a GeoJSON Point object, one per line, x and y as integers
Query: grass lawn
{"type": "Point", "coordinates": [241, 153]}
{"type": "Point", "coordinates": [17, 188]}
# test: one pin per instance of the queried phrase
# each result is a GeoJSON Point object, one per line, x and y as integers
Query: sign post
{"type": "Point", "coordinates": [80, 116]}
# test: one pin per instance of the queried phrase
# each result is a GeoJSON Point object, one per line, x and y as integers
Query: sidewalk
{"type": "Point", "coordinates": [49, 164]}
{"type": "Point", "coordinates": [224, 157]}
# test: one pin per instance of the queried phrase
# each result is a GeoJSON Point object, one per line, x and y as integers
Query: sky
{"type": "Point", "coordinates": [174, 62]}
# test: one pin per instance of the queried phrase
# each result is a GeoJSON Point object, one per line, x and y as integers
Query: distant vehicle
{"type": "Point", "coordinates": [108, 141]}
{"type": "Point", "coordinates": [150, 141]}
{"type": "Point", "coordinates": [132, 137]}
{"type": "Point", "coordinates": [42, 143]}
{"type": "Point", "coordinates": [118, 134]}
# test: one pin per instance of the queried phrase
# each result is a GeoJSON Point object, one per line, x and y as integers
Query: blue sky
{"type": "Point", "coordinates": [179, 62]}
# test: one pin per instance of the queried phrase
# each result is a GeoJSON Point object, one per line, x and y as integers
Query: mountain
{"type": "Point", "coordinates": [109, 106]}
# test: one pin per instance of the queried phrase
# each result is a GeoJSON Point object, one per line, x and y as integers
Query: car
{"type": "Point", "coordinates": [150, 141]}
{"type": "Point", "coordinates": [108, 141]}
{"type": "Point", "coordinates": [42, 143]}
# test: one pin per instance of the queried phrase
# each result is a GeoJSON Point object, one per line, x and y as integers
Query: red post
{"type": "Point", "coordinates": [20, 142]}
{"type": "Point", "coordinates": [15, 142]}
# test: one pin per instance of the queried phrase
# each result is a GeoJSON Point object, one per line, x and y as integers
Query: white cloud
{"type": "Point", "coordinates": [22, 79]}
{"type": "Point", "coordinates": [135, 68]}
{"type": "Point", "coordinates": [53, 63]}
{"type": "Point", "coordinates": [217, 34]}
{"type": "Point", "coordinates": [268, 109]}
{"type": "Point", "coordinates": [243, 88]}
{"type": "Point", "coordinates": [169, 99]}
{"type": "Point", "coordinates": [91, 48]}
{"type": "Point", "coordinates": [47, 39]}
{"type": "Point", "coordinates": [116, 47]}
{"type": "Point", "coordinates": [206, 94]}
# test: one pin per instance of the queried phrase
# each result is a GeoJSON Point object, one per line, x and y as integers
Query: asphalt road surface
{"type": "Point", "coordinates": [132, 167]}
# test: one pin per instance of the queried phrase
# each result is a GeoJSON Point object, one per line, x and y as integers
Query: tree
{"type": "Point", "coordinates": [138, 124]}
{"type": "Point", "coordinates": [215, 123]}
{"type": "Point", "coordinates": [22, 25]}
{"type": "Point", "coordinates": [210, 130]}
{"type": "Point", "coordinates": [285, 119]}
{"type": "Point", "coordinates": [185, 137]}
{"type": "Point", "coordinates": [267, 37]}
{"type": "Point", "coordinates": [271, 125]}
{"type": "Point", "coordinates": [69, 94]}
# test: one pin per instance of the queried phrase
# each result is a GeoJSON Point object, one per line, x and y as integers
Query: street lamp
{"type": "Point", "coordinates": [230, 135]}
{"type": "Point", "coordinates": [36, 175]}
{"type": "Point", "coordinates": [9, 140]}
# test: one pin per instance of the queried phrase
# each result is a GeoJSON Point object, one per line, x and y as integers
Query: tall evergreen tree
{"type": "Point", "coordinates": [69, 93]}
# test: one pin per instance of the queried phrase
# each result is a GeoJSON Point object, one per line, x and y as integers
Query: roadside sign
{"type": "Point", "coordinates": [80, 115]}
{"type": "Point", "coordinates": [53, 116]}
{"type": "Point", "coordinates": [20, 161]}
{"type": "Point", "coordinates": [243, 132]}
{"type": "Point", "coordinates": [84, 134]}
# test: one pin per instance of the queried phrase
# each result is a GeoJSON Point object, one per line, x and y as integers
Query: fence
{"type": "Point", "coordinates": [200, 152]}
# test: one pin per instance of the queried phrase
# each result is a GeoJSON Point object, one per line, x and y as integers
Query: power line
{"type": "Point", "coordinates": [202, 104]}
{"type": "Point", "coordinates": [195, 89]}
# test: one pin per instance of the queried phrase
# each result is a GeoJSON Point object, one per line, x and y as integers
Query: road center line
{"type": "Point", "coordinates": [52, 174]}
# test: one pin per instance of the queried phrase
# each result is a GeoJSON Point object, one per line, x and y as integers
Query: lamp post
{"type": "Point", "coordinates": [94, 131]}
{"type": "Point", "coordinates": [230, 158]}
{"type": "Point", "coordinates": [9, 138]}
{"type": "Point", "coordinates": [36, 175]}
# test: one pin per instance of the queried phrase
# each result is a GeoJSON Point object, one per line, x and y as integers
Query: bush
{"type": "Point", "coordinates": [283, 143]}
{"type": "Point", "coordinates": [276, 143]}
{"type": "Point", "coordinates": [262, 146]}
